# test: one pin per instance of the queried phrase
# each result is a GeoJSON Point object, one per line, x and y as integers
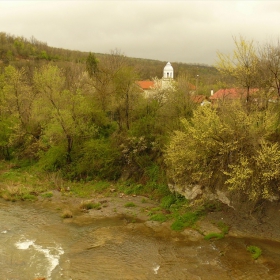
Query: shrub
{"type": "Point", "coordinates": [248, 164]}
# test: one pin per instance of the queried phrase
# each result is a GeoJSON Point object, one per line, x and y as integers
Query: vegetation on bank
{"type": "Point", "coordinates": [84, 127]}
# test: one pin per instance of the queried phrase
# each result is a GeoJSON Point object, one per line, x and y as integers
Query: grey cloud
{"type": "Point", "coordinates": [183, 31]}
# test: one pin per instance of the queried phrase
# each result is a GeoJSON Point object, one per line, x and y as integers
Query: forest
{"type": "Point", "coordinates": [83, 116]}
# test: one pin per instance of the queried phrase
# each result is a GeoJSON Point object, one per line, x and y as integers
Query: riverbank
{"type": "Point", "coordinates": [136, 210]}
{"type": "Point", "coordinates": [136, 203]}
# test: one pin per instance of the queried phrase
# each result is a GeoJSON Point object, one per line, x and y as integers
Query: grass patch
{"type": "Point", "coordinates": [167, 201]}
{"type": "Point", "coordinates": [67, 214]}
{"type": "Point", "coordinates": [86, 190]}
{"type": "Point", "coordinates": [129, 204]}
{"type": "Point", "coordinates": [214, 235]}
{"type": "Point", "coordinates": [159, 217]}
{"type": "Point", "coordinates": [223, 227]}
{"type": "Point", "coordinates": [47, 195]}
{"type": "Point", "coordinates": [87, 205]}
{"type": "Point", "coordinates": [17, 191]}
{"type": "Point", "coordinates": [255, 251]}
{"type": "Point", "coordinates": [186, 220]}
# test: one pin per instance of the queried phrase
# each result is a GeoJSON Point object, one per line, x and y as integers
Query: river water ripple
{"type": "Point", "coordinates": [37, 242]}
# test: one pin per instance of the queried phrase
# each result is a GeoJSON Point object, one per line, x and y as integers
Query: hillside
{"type": "Point", "coordinates": [17, 51]}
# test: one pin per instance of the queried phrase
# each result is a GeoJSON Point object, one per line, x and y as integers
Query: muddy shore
{"type": "Point", "coordinates": [264, 226]}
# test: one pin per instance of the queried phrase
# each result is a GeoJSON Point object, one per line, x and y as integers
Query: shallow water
{"type": "Point", "coordinates": [37, 242]}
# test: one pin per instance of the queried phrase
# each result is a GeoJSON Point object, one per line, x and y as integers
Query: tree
{"type": "Point", "coordinates": [270, 66]}
{"type": "Point", "coordinates": [64, 114]}
{"type": "Point", "coordinates": [102, 75]}
{"type": "Point", "coordinates": [227, 148]}
{"type": "Point", "coordinates": [91, 65]}
{"type": "Point", "coordinates": [125, 95]}
{"type": "Point", "coordinates": [17, 113]}
{"type": "Point", "coordinates": [242, 65]}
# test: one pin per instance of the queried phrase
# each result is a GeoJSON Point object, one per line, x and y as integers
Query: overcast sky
{"type": "Point", "coordinates": [175, 31]}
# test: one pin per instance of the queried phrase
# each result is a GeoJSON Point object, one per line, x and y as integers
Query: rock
{"type": "Point", "coordinates": [190, 192]}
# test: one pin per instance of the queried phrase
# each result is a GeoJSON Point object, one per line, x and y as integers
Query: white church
{"type": "Point", "coordinates": [154, 88]}
{"type": "Point", "coordinates": [164, 83]}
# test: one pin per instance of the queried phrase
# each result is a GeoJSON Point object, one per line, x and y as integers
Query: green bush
{"type": "Point", "coordinates": [97, 158]}
{"type": "Point", "coordinates": [53, 159]}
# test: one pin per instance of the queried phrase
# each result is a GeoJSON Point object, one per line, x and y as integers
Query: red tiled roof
{"type": "Point", "coordinates": [198, 98]}
{"type": "Point", "coordinates": [191, 86]}
{"type": "Point", "coordinates": [232, 93]}
{"type": "Point", "coordinates": [146, 84]}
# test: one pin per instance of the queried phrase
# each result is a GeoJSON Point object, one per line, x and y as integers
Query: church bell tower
{"type": "Point", "coordinates": [168, 72]}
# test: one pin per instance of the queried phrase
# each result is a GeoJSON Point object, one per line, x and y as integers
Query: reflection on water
{"type": "Point", "coordinates": [39, 243]}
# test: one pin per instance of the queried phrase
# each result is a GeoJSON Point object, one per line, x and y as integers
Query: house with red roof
{"type": "Point", "coordinates": [229, 94]}
{"type": "Point", "coordinates": [154, 87]}
{"type": "Point", "coordinates": [146, 85]}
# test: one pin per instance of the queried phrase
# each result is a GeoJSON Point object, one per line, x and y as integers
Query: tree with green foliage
{"type": "Point", "coordinates": [242, 65]}
{"type": "Point", "coordinates": [91, 64]}
{"type": "Point", "coordinates": [65, 115]}
{"type": "Point", "coordinates": [229, 147]}
{"type": "Point", "coordinates": [17, 106]}
{"type": "Point", "coordinates": [125, 96]}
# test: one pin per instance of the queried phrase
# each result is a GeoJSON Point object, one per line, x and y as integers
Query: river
{"type": "Point", "coordinates": [37, 242]}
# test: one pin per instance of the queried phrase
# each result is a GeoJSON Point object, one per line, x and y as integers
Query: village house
{"type": "Point", "coordinates": [227, 95]}
{"type": "Point", "coordinates": [167, 82]}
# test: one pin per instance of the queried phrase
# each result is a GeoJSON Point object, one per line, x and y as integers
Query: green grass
{"type": "Point", "coordinates": [87, 205]}
{"type": "Point", "coordinates": [255, 251]}
{"type": "Point", "coordinates": [129, 204]}
{"type": "Point", "coordinates": [214, 235]}
{"type": "Point", "coordinates": [159, 217]}
{"type": "Point", "coordinates": [86, 190]}
{"type": "Point", "coordinates": [47, 195]}
{"type": "Point", "coordinates": [186, 220]}
{"type": "Point", "coordinates": [223, 227]}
